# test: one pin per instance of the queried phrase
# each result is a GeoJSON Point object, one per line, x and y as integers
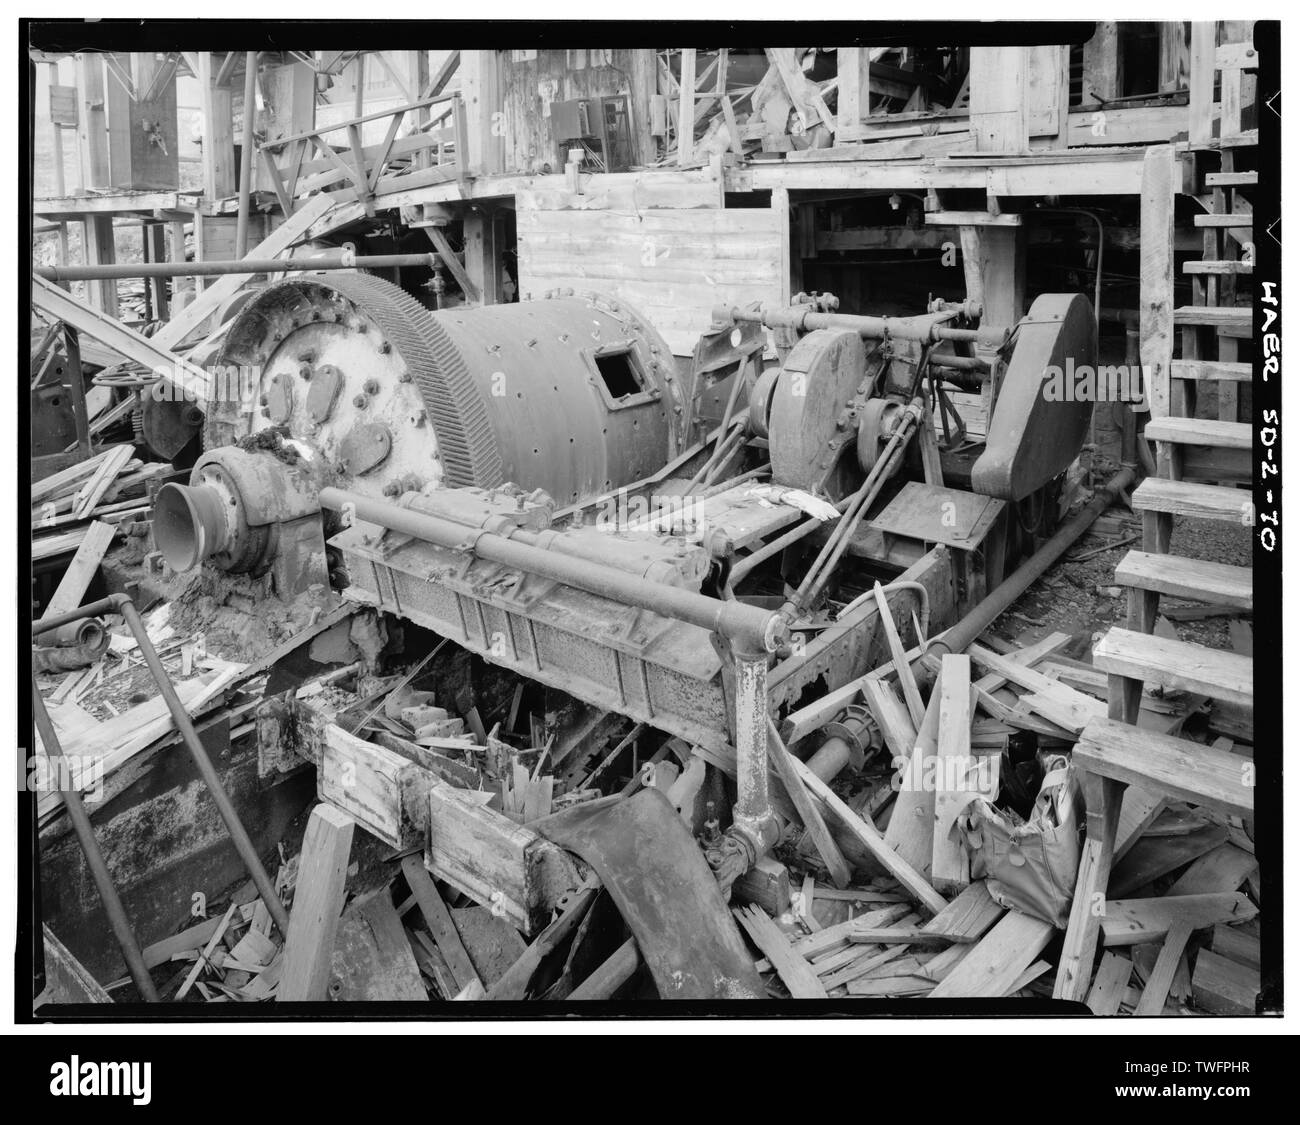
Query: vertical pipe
{"type": "Point", "coordinates": [80, 820]}
{"type": "Point", "coordinates": [246, 152]}
{"type": "Point", "coordinates": [753, 801]}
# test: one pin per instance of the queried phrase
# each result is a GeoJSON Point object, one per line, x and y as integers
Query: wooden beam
{"type": "Point", "coordinates": [317, 905]}
{"type": "Point", "coordinates": [686, 112]}
{"type": "Point", "coordinates": [950, 863]}
{"type": "Point", "coordinates": [452, 261]}
{"type": "Point", "coordinates": [1156, 268]}
{"type": "Point", "coordinates": [781, 760]}
{"type": "Point", "coordinates": [438, 918]}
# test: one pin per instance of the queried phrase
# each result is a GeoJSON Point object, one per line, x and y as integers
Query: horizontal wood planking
{"type": "Point", "coordinates": [1212, 369]}
{"type": "Point", "coordinates": [674, 266]}
{"type": "Point", "coordinates": [1215, 317]}
{"type": "Point", "coordinates": [1233, 222]}
{"type": "Point", "coordinates": [1136, 921]}
{"type": "Point", "coordinates": [1200, 431]}
{"type": "Point", "coordinates": [1203, 501]}
{"type": "Point", "coordinates": [1223, 267]}
{"type": "Point", "coordinates": [1177, 664]}
{"type": "Point", "coordinates": [1223, 987]}
{"type": "Point", "coordinates": [1182, 770]}
{"type": "Point", "coordinates": [994, 966]}
{"type": "Point", "coordinates": [1181, 577]}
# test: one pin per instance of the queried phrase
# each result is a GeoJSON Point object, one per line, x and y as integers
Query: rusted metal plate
{"type": "Point", "coordinates": [657, 876]}
{"type": "Point", "coordinates": [366, 446]}
{"type": "Point", "coordinates": [326, 382]}
{"type": "Point", "coordinates": [279, 399]}
{"type": "Point", "coordinates": [939, 515]}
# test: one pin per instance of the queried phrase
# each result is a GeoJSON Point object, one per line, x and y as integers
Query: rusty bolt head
{"type": "Point", "coordinates": [392, 488]}
{"type": "Point", "coordinates": [304, 371]}
{"type": "Point", "coordinates": [263, 400]}
{"type": "Point", "coordinates": [371, 386]}
{"type": "Point", "coordinates": [385, 347]}
{"type": "Point", "coordinates": [357, 324]}
{"type": "Point", "coordinates": [404, 377]}
{"type": "Point", "coordinates": [360, 402]}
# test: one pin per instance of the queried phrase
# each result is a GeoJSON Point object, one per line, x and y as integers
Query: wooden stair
{"type": "Point", "coordinates": [1232, 321]}
{"type": "Point", "coordinates": [1196, 579]}
{"type": "Point", "coordinates": [1176, 767]}
{"type": "Point", "coordinates": [1202, 501]}
{"type": "Point", "coordinates": [1148, 658]}
{"type": "Point", "coordinates": [1235, 222]}
{"type": "Point", "coordinates": [1211, 370]}
{"type": "Point", "coordinates": [1201, 431]}
{"type": "Point", "coordinates": [1231, 179]}
{"type": "Point", "coordinates": [1220, 267]}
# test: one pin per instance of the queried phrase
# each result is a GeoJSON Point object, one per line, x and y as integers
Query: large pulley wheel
{"type": "Point", "coordinates": [811, 415]}
{"type": "Point", "coordinates": [357, 365]}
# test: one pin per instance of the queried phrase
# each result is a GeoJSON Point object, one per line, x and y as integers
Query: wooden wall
{"type": "Point", "coordinates": [672, 264]}
{"type": "Point", "coordinates": [528, 86]}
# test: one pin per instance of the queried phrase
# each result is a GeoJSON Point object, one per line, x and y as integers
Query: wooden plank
{"type": "Point", "coordinates": [1162, 974]}
{"type": "Point", "coordinates": [910, 831]}
{"type": "Point", "coordinates": [950, 862]}
{"type": "Point", "coordinates": [438, 918]}
{"type": "Point", "coordinates": [1137, 920]}
{"type": "Point", "coordinates": [1234, 943]}
{"type": "Point", "coordinates": [1156, 270]}
{"type": "Point", "coordinates": [1198, 579]}
{"type": "Point", "coordinates": [1109, 985]}
{"type": "Point", "coordinates": [384, 792]}
{"type": "Point", "coordinates": [1182, 770]}
{"type": "Point", "coordinates": [1223, 869]}
{"type": "Point", "coordinates": [1062, 705]}
{"type": "Point", "coordinates": [998, 961]}
{"type": "Point", "coordinates": [90, 494]}
{"type": "Point", "coordinates": [870, 838]}
{"type": "Point", "coordinates": [82, 570]}
{"type": "Point", "coordinates": [1202, 501]}
{"type": "Point", "coordinates": [906, 680]}
{"type": "Point", "coordinates": [686, 111]}
{"type": "Point", "coordinates": [969, 916]}
{"type": "Point", "coordinates": [891, 717]}
{"type": "Point", "coordinates": [795, 972]}
{"type": "Point", "coordinates": [1224, 988]}
{"type": "Point", "coordinates": [500, 864]}
{"type": "Point", "coordinates": [901, 935]}
{"type": "Point", "coordinates": [204, 958]}
{"type": "Point", "coordinates": [317, 905]}
{"type": "Point", "coordinates": [1176, 664]}
{"type": "Point", "coordinates": [784, 763]}
{"type": "Point", "coordinates": [1201, 431]}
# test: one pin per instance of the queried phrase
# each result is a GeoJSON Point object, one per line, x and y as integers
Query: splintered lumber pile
{"type": "Point", "coordinates": [932, 921]}
{"type": "Point", "coordinates": [109, 489]}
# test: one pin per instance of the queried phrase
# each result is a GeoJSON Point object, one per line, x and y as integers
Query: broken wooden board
{"type": "Point", "coordinates": [498, 863]}
{"type": "Point", "coordinates": [382, 791]}
{"type": "Point", "coordinates": [1137, 920]}
{"type": "Point", "coordinates": [82, 570]}
{"type": "Point", "coordinates": [994, 966]}
{"type": "Point", "coordinates": [950, 862]}
{"type": "Point", "coordinates": [372, 960]}
{"type": "Point", "coordinates": [910, 831]}
{"type": "Point", "coordinates": [438, 918]}
{"type": "Point", "coordinates": [1108, 986]}
{"type": "Point", "coordinates": [317, 905]}
{"type": "Point", "coordinates": [1156, 991]}
{"type": "Point", "coordinates": [795, 972]}
{"type": "Point", "coordinates": [1223, 869]}
{"type": "Point", "coordinates": [1223, 987]}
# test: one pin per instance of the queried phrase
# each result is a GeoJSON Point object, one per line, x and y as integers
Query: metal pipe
{"type": "Point", "coordinates": [120, 603]}
{"type": "Point", "coordinates": [611, 974]}
{"type": "Point", "coordinates": [99, 872]}
{"type": "Point", "coordinates": [838, 542]}
{"type": "Point", "coordinates": [749, 628]}
{"type": "Point", "coordinates": [1000, 600]}
{"type": "Point", "coordinates": [342, 261]}
{"type": "Point", "coordinates": [753, 799]}
{"type": "Point", "coordinates": [869, 327]}
{"type": "Point", "coordinates": [246, 153]}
